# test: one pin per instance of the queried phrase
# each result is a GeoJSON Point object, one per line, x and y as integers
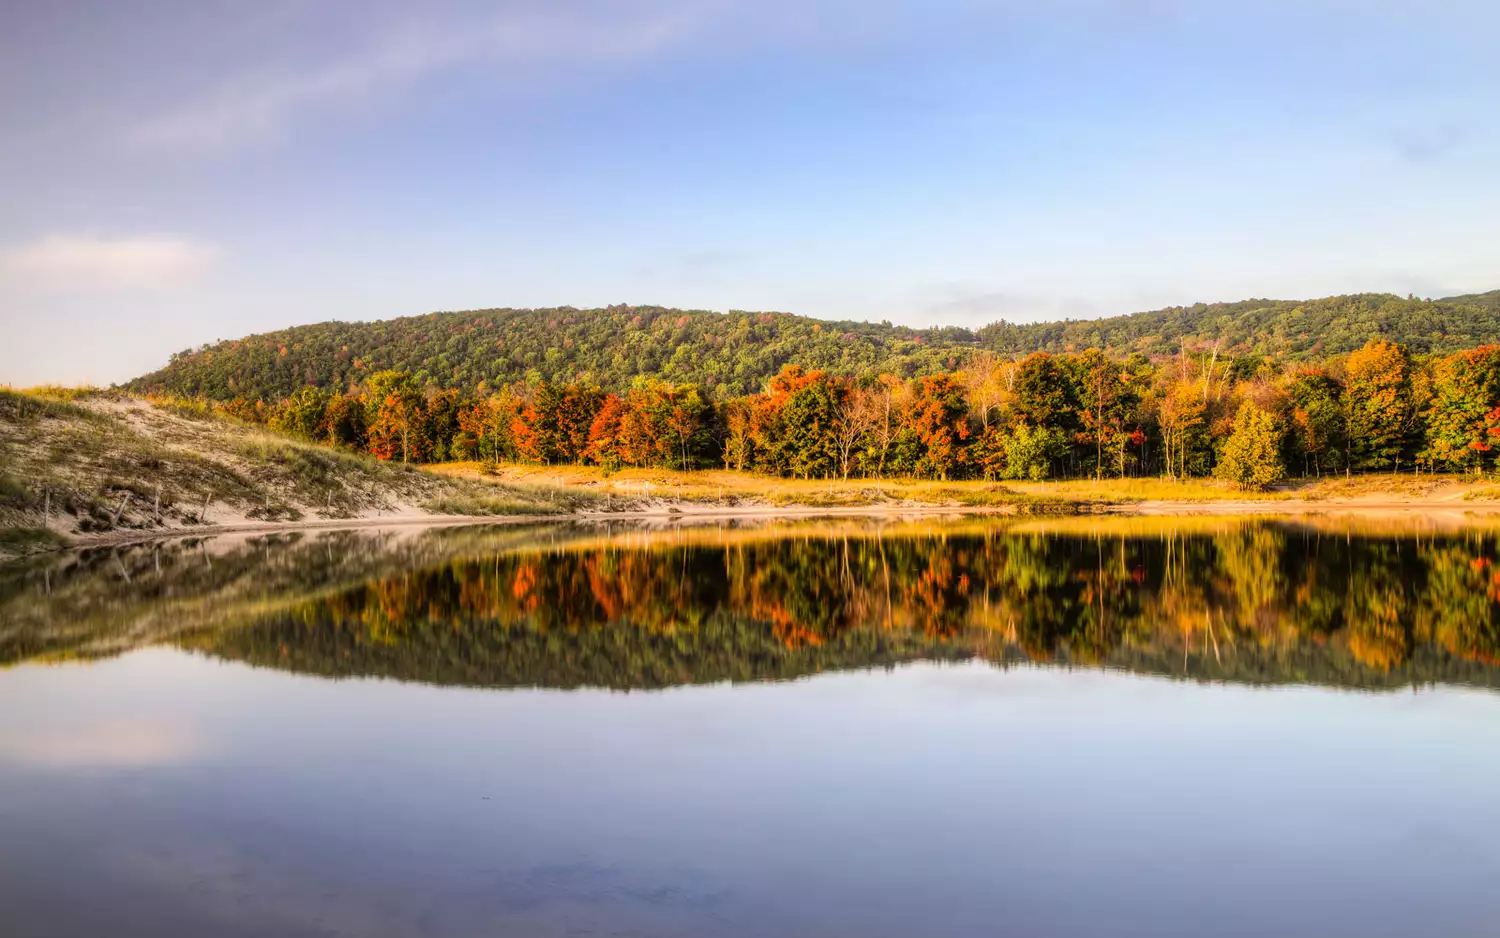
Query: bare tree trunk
{"type": "Point", "coordinates": [115, 518]}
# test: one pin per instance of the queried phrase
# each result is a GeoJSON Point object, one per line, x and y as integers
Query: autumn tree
{"type": "Point", "coordinates": [347, 422]}
{"type": "Point", "coordinates": [1179, 415]}
{"type": "Point", "coordinates": [486, 427]}
{"type": "Point", "coordinates": [399, 415]}
{"type": "Point", "coordinates": [738, 446]}
{"type": "Point", "coordinates": [604, 446]}
{"type": "Point", "coordinates": [987, 384]}
{"type": "Point", "coordinates": [554, 426]}
{"type": "Point", "coordinates": [939, 423]}
{"type": "Point", "coordinates": [1376, 404]}
{"type": "Point", "coordinates": [1460, 424]}
{"type": "Point", "coordinates": [791, 423]}
{"type": "Point", "coordinates": [1106, 405]}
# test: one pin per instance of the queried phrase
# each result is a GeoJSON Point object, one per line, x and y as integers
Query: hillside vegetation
{"type": "Point", "coordinates": [732, 353]}
{"type": "Point", "coordinates": [1297, 330]}
{"type": "Point", "coordinates": [735, 353]}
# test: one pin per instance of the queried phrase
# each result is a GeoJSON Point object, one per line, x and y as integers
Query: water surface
{"type": "Point", "coordinates": [841, 728]}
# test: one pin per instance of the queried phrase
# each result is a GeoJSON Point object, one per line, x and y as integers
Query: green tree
{"type": "Point", "coordinates": [1251, 457]}
{"type": "Point", "coordinates": [1318, 430]}
{"type": "Point", "coordinates": [303, 414]}
{"type": "Point", "coordinates": [1031, 451]}
{"type": "Point", "coordinates": [1045, 395]}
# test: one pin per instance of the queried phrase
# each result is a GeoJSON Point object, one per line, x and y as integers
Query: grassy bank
{"type": "Point", "coordinates": [75, 465]}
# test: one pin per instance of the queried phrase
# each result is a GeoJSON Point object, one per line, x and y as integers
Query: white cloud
{"type": "Point", "coordinates": [88, 262]}
{"type": "Point", "coordinates": [261, 105]}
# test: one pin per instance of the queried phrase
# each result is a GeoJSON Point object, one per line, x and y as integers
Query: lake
{"type": "Point", "coordinates": [845, 727]}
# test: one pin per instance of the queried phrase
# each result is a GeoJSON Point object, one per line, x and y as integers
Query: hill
{"type": "Point", "coordinates": [1293, 329]}
{"type": "Point", "coordinates": [736, 352]}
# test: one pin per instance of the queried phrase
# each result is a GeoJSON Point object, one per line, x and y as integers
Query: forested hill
{"type": "Point", "coordinates": [732, 353]}
{"type": "Point", "coordinates": [735, 353]}
{"type": "Point", "coordinates": [1305, 329]}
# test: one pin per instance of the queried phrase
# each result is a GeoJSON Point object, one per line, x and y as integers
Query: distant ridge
{"type": "Point", "coordinates": [736, 352]}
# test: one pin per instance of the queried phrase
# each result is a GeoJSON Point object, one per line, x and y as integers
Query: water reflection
{"type": "Point", "coordinates": [175, 791]}
{"type": "Point", "coordinates": [570, 606]}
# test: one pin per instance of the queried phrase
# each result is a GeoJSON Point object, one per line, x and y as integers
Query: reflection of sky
{"type": "Point", "coordinates": [184, 794]}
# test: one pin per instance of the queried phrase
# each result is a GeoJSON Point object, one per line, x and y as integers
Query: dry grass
{"type": "Point", "coordinates": [1385, 486]}
{"type": "Point", "coordinates": [1122, 491]}
{"type": "Point", "coordinates": [729, 489]}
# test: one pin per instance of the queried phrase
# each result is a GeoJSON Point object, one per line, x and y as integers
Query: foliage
{"type": "Point", "coordinates": [1251, 457]}
{"type": "Point", "coordinates": [1297, 330]}
{"type": "Point", "coordinates": [1462, 419]}
{"type": "Point", "coordinates": [735, 353]}
{"type": "Point", "coordinates": [1377, 403]}
{"type": "Point", "coordinates": [1031, 452]}
{"type": "Point", "coordinates": [1380, 408]}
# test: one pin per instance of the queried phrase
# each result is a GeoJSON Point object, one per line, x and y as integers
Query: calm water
{"type": "Point", "coordinates": [832, 729]}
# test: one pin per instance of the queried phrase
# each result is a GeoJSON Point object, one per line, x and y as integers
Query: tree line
{"type": "Point", "coordinates": [1248, 420]}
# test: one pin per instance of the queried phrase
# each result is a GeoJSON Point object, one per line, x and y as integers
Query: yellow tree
{"type": "Point", "coordinates": [1377, 403]}
{"type": "Point", "coordinates": [1179, 412]}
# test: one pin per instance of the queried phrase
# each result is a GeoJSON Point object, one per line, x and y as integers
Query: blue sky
{"type": "Point", "coordinates": [176, 173]}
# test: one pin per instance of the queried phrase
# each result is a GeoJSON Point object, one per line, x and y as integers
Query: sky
{"type": "Point", "coordinates": [174, 173]}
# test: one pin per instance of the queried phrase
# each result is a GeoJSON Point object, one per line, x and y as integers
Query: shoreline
{"type": "Point", "coordinates": [695, 512]}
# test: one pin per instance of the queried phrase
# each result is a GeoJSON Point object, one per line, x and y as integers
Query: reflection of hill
{"type": "Point", "coordinates": [567, 606]}
{"type": "Point", "coordinates": [1310, 664]}
{"type": "Point", "coordinates": [1256, 603]}
{"type": "Point", "coordinates": [103, 601]}
{"type": "Point", "coordinates": [722, 648]}
{"type": "Point", "coordinates": [727, 649]}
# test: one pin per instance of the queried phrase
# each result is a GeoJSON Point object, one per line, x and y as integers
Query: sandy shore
{"type": "Point", "coordinates": [691, 512]}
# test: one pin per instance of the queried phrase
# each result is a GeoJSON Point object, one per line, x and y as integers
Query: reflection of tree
{"type": "Point", "coordinates": [1257, 602]}
{"type": "Point", "coordinates": [1459, 605]}
{"type": "Point", "coordinates": [1377, 607]}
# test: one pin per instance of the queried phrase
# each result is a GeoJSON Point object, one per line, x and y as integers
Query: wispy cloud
{"type": "Point", "coordinates": [89, 262]}
{"type": "Point", "coordinates": [265, 103]}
